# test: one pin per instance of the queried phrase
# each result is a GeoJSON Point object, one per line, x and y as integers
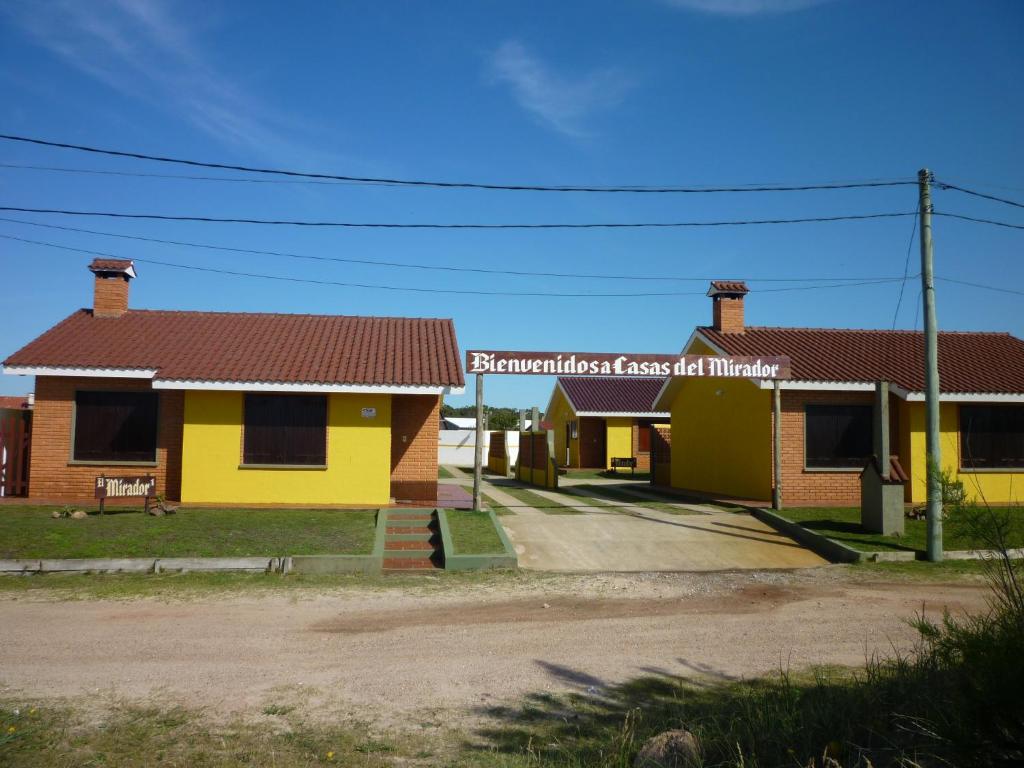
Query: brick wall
{"type": "Point", "coordinates": [415, 421]}
{"type": "Point", "coordinates": [643, 458]}
{"type": "Point", "coordinates": [52, 474]}
{"type": "Point", "coordinates": [817, 487]}
{"type": "Point", "coordinates": [727, 314]}
{"type": "Point", "coordinates": [110, 296]}
{"type": "Point", "coordinates": [661, 455]}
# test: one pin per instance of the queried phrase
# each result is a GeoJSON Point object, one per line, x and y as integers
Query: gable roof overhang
{"type": "Point", "coordinates": [670, 388]}
{"type": "Point", "coordinates": [237, 386]}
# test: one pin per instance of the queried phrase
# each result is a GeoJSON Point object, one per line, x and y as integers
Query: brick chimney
{"type": "Point", "coordinates": [727, 305]}
{"type": "Point", "coordinates": [110, 295]}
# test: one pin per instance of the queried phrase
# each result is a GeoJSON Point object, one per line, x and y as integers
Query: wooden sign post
{"type": "Point", "coordinates": [125, 488]}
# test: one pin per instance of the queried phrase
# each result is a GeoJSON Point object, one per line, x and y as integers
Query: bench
{"type": "Point", "coordinates": [621, 462]}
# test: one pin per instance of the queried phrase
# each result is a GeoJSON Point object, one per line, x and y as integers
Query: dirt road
{"type": "Point", "coordinates": [400, 656]}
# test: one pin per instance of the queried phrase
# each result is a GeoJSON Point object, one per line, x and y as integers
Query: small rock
{"type": "Point", "coordinates": [546, 605]}
{"type": "Point", "coordinates": [56, 515]}
{"type": "Point", "coordinates": [79, 514]}
{"type": "Point", "coordinates": [156, 511]}
{"type": "Point", "coordinates": [671, 749]}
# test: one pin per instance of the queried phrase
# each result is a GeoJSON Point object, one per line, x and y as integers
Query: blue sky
{"type": "Point", "coordinates": [648, 92]}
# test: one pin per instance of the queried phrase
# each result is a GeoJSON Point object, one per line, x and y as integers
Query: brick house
{"type": "Point", "coordinates": [722, 429]}
{"type": "Point", "coordinates": [237, 408]}
{"type": "Point", "coordinates": [599, 418]}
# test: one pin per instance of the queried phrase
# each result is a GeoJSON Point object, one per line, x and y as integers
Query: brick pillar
{"type": "Point", "coordinates": [415, 420]}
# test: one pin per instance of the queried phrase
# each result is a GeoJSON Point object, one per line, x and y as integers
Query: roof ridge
{"type": "Point", "coordinates": [275, 314]}
{"type": "Point", "coordinates": [893, 331]}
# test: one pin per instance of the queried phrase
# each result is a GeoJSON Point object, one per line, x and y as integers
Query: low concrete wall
{"type": "Point", "coordinates": [476, 562]}
{"type": "Point", "coordinates": [142, 565]}
{"type": "Point", "coordinates": [456, 447]}
{"type": "Point", "coordinates": [827, 548]}
{"type": "Point", "coordinates": [370, 563]}
{"type": "Point", "coordinates": [836, 552]}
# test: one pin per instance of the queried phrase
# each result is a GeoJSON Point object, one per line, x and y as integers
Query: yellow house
{"type": "Point", "coordinates": [723, 429]}
{"type": "Point", "coordinates": [238, 408]}
{"type": "Point", "coordinates": [596, 419]}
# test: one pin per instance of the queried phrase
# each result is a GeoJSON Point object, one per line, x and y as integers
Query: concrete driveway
{"type": "Point", "coordinates": [617, 540]}
{"type": "Point", "coordinates": [609, 535]}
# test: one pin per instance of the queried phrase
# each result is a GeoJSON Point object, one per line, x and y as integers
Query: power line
{"type": "Point", "coordinates": [431, 267]}
{"type": "Point", "coordinates": [997, 288]}
{"type": "Point", "coordinates": [946, 185]}
{"type": "Point", "coordinates": [235, 273]}
{"type": "Point", "coordinates": [460, 184]}
{"type": "Point", "coordinates": [378, 225]}
{"type": "Point", "coordinates": [183, 177]}
{"type": "Point", "coordinates": [977, 220]}
{"type": "Point", "coordinates": [906, 269]}
{"type": "Point", "coordinates": [989, 185]}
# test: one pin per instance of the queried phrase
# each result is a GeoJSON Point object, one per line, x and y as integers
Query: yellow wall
{"type": "Point", "coordinates": [559, 414]}
{"type": "Point", "coordinates": [358, 455]}
{"type": "Point", "coordinates": [993, 487]}
{"type": "Point", "coordinates": [619, 439]}
{"type": "Point", "coordinates": [721, 436]}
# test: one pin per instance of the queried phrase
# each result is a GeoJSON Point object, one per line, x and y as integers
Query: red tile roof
{"type": "Point", "coordinates": [611, 395]}
{"type": "Point", "coordinates": [111, 265]}
{"type": "Point", "coordinates": [968, 361]}
{"type": "Point", "coordinates": [728, 286]}
{"type": "Point", "coordinates": [244, 347]}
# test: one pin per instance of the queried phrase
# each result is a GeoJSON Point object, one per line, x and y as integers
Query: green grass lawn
{"type": "Point", "coordinates": [30, 532]}
{"type": "Point", "coordinates": [473, 533]}
{"type": "Point", "coordinates": [607, 474]}
{"type": "Point", "coordinates": [528, 498]}
{"type": "Point", "coordinates": [620, 496]}
{"type": "Point", "coordinates": [843, 525]}
{"type": "Point", "coordinates": [444, 474]}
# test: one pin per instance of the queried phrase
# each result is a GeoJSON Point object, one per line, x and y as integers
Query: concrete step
{"type": "Point", "coordinates": [400, 537]}
{"type": "Point", "coordinates": [408, 564]}
{"type": "Point", "coordinates": [399, 518]}
{"type": "Point", "coordinates": [408, 546]}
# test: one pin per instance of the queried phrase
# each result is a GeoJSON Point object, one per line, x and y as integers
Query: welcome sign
{"type": "Point", "coordinates": [612, 364]}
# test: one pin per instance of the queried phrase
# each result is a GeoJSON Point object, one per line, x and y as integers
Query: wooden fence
{"type": "Point", "coordinates": [15, 441]}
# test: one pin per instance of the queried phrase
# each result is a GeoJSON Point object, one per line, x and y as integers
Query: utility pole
{"type": "Point", "coordinates": [933, 449]}
{"type": "Point", "coordinates": [776, 446]}
{"type": "Point", "coordinates": [478, 449]}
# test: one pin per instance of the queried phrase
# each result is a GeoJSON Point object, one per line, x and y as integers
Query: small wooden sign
{"type": "Point", "coordinates": [125, 488]}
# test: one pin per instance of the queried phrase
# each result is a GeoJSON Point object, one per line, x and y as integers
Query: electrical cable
{"type": "Point", "coordinates": [186, 177]}
{"type": "Point", "coordinates": [997, 288]}
{"type": "Point", "coordinates": [431, 267]}
{"type": "Point", "coordinates": [946, 185]}
{"type": "Point", "coordinates": [906, 269]}
{"type": "Point", "coordinates": [234, 273]}
{"type": "Point", "coordinates": [378, 225]}
{"type": "Point", "coordinates": [977, 220]}
{"type": "Point", "coordinates": [458, 184]}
